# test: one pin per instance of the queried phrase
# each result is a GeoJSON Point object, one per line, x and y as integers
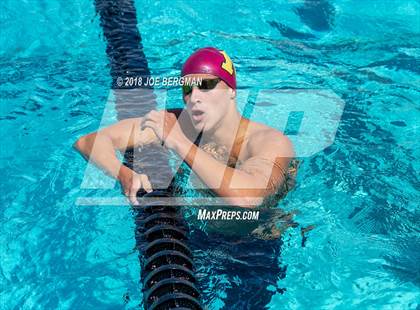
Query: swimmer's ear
{"type": "Point", "coordinates": [232, 93]}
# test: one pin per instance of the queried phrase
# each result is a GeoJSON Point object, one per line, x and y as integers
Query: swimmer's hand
{"type": "Point", "coordinates": [132, 182]}
{"type": "Point", "coordinates": [166, 127]}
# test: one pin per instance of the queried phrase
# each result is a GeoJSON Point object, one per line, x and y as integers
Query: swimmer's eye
{"type": "Point", "coordinates": [186, 89]}
{"type": "Point", "coordinates": [206, 84]}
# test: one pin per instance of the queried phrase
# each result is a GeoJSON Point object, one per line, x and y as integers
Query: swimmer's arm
{"type": "Point", "coordinates": [256, 178]}
{"type": "Point", "coordinates": [100, 147]}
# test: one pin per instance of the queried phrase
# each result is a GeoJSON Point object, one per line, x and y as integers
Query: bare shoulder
{"type": "Point", "coordinates": [263, 139]}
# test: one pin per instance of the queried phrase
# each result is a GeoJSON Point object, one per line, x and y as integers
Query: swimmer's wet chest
{"type": "Point", "coordinates": [235, 153]}
{"type": "Point", "coordinates": [231, 155]}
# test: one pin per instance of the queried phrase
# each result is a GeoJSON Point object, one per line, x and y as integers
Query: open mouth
{"type": "Point", "coordinates": [197, 115]}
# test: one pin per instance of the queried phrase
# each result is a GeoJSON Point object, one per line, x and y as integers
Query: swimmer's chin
{"type": "Point", "coordinates": [200, 127]}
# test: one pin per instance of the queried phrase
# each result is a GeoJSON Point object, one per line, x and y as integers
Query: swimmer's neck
{"type": "Point", "coordinates": [225, 130]}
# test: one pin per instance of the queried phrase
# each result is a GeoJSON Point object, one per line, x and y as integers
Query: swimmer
{"type": "Point", "coordinates": [255, 168]}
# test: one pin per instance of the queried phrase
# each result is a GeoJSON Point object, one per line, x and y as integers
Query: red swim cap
{"type": "Point", "coordinates": [210, 60]}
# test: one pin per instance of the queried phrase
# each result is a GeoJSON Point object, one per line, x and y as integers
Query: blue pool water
{"type": "Point", "coordinates": [361, 194]}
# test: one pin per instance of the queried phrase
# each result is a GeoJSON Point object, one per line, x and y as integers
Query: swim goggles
{"type": "Point", "coordinates": [205, 84]}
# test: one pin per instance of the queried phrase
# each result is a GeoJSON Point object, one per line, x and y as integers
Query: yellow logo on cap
{"type": "Point", "coordinates": [227, 64]}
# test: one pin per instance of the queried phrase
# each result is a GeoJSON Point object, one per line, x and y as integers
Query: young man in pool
{"type": "Point", "coordinates": [257, 165]}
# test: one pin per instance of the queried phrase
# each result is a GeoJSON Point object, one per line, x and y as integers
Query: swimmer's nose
{"type": "Point", "coordinates": [195, 96]}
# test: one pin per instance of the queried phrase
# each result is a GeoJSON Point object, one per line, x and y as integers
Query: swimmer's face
{"type": "Point", "coordinates": [207, 107]}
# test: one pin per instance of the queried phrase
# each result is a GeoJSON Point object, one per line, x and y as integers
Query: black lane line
{"type": "Point", "coordinates": [127, 60]}
{"type": "Point", "coordinates": [125, 52]}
